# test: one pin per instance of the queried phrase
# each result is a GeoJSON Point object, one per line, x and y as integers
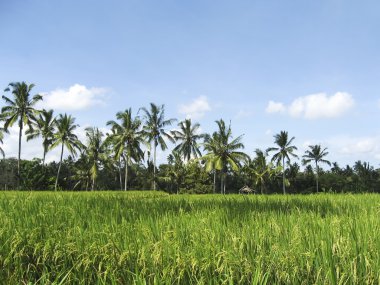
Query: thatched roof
{"type": "Point", "coordinates": [245, 189]}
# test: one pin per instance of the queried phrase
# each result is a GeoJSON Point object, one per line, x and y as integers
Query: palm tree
{"type": "Point", "coordinates": [44, 127]}
{"type": "Point", "coordinates": [154, 130]}
{"type": "Point", "coordinates": [262, 170]}
{"type": "Point", "coordinates": [223, 152]}
{"type": "Point", "coordinates": [188, 137]}
{"type": "Point", "coordinates": [284, 149]}
{"type": "Point", "coordinates": [316, 154]}
{"type": "Point", "coordinates": [64, 135]}
{"type": "Point", "coordinates": [1, 141]}
{"type": "Point", "coordinates": [21, 110]}
{"type": "Point", "coordinates": [176, 170]}
{"type": "Point", "coordinates": [127, 138]}
{"type": "Point", "coordinates": [210, 144]}
{"type": "Point", "coordinates": [94, 150]}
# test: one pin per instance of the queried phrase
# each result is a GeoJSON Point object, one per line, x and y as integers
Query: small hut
{"type": "Point", "coordinates": [246, 190]}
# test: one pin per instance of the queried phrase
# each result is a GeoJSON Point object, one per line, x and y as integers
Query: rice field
{"type": "Point", "coordinates": [154, 238]}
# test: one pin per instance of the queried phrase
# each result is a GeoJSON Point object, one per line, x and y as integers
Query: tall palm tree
{"type": "Point", "coordinates": [44, 127]}
{"type": "Point", "coordinates": [223, 152]}
{"type": "Point", "coordinates": [210, 145]}
{"type": "Point", "coordinates": [316, 154]}
{"type": "Point", "coordinates": [1, 141]}
{"type": "Point", "coordinates": [127, 138]}
{"type": "Point", "coordinates": [154, 130]}
{"type": "Point", "coordinates": [188, 137]}
{"type": "Point", "coordinates": [283, 150]}
{"type": "Point", "coordinates": [64, 136]}
{"type": "Point", "coordinates": [262, 170]}
{"type": "Point", "coordinates": [19, 109]}
{"type": "Point", "coordinates": [94, 151]}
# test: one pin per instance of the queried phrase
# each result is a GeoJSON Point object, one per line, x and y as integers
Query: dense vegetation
{"type": "Point", "coordinates": [125, 237]}
{"type": "Point", "coordinates": [125, 158]}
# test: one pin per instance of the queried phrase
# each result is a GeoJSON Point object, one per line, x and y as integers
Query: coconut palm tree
{"type": "Point", "coordinates": [154, 130]}
{"type": "Point", "coordinates": [188, 137]}
{"type": "Point", "coordinates": [223, 152]}
{"type": "Point", "coordinates": [19, 109]}
{"type": "Point", "coordinates": [1, 141]}
{"type": "Point", "coordinates": [127, 138]}
{"type": "Point", "coordinates": [210, 145]}
{"type": "Point", "coordinates": [262, 170]}
{"type": "Point", "coordinates": [283, 150]}
{"type": "Point", "coordinates": [94, 150]}
{"type": "Point", "coordinates": [44, 127]}
{"type": "Point", "coordinates": [316, 154]}
{"type": "Point", "coordinates": [176, 170]}
{"type": "Point", "coordinates": [64, 136]}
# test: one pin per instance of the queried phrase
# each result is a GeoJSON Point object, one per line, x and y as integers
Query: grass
{"type": "Point", "coordinates": [154, 238]}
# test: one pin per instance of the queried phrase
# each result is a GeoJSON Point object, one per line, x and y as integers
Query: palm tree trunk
{"type": "Point", "coordinates": [224, 183]}
{"type": "Point", "coordinates": [43, 158]}
{"type": "Point", "coordinates": [154, 166]}
{"type": "Point", "coordinates": [316, 174]}
{"type": "Point", "coordinates": [93, 184]}
{"type": "Point", "coordinates": [126, 174]}
{"type": "Point", "coordinates": [19, 155]}
{"type": "Point", "coordinates": [59, 168]}
{"type": "Point", "coordinates": [283, 175]}
{"type": "Point", "coordinates": [214, 181]}
{"type": "Point", "coordinates": [221, 182]}
{"type": "Point", "coordinates": [120, 175]}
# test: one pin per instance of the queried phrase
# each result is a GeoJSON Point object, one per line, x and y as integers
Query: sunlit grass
{"type": "Point", "coordinates": [152, 237]}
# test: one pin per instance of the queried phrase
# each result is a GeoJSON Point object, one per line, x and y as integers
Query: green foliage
{"type": "Point", "coordinates": [153, 238]}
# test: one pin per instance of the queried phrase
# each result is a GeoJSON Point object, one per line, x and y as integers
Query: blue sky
{"type": "Point", "coordinates": [309, 67]}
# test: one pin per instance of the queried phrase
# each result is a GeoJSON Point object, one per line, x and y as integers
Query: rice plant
{"type": "Point", "coordinates": [154, 238]}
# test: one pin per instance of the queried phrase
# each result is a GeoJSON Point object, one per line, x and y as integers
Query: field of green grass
{"type": "Point", "coordinates": [154, 238]}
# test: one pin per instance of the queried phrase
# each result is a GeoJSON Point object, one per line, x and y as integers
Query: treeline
{"type": "Point", "coordinates": [125, 158]}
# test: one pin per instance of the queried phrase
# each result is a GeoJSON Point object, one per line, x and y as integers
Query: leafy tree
{"type": "Point", "coordinates": [95, 151]}
{"type": "Point", "coordinates": [19, 109]}
{"type": "Point", "coordinates": [175, 172]}
{"type": "Point", "coordinates": [223, 152]}
{"type": "Point", "coordinates": [188, 137]}
{"type": "Point", "coordinates": [316, 154]}
{"type": "Point", "coordinates": [1, 141]}
{"type": "Point", "coordinates": [210, 145]}
{"type": "Point", "coordinates": [262, 170]}
{"type": "Point", "coordinates": [44, 127]}
{"type": "Point", "coordinates": [127, 138]}
{"type": "Point", "coordinates": [154, 130]}
{"type": "Point", "coordinates": [64, 136]}
{"type": "Point", "coordinates": [82, 172]}
{"type": "Point", "coordinates": [283, 150]}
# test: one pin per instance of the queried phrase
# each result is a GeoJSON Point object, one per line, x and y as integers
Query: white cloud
{"type": "Point", "coordinates": [76, 97]}
{"type": "Point", "coordinates": [352, 148]}
{"type": "Point", "coordinates": [196, 109]}
{"type": "Point", "coordinates": [29, 150]}
{"type": "Point", "coordinates": [275, 107]}
{"type": "Point", "coordinates": [315, 106]}
{"type": "Point", "coordinates": [33, 148]}
{"type": "Point", "coordinates": [243, 114]}
{"type": "Point", "coordinates": [361, 145]}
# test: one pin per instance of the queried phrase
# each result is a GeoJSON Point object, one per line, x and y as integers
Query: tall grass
{"type": "Point", "coordinates": [153, 238]}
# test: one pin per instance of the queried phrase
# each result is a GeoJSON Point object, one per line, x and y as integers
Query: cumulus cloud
{"type": "Point", "coordinates": [315, 106]}
{"type": "Point", "coordinates": [29, 150]}
{"type": "Point", "coordinates": [345, 147]}
{"type": "Point", "coordinates": [243, 114]}
{"type": "Point", "coordinates": [33, 148]}
{"type": "Point", "coordinates": [275, 107]}
{"type": "Point", "coordinates": [196, 109]}
{"type": "Point", "coordinates": [76, 97]}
